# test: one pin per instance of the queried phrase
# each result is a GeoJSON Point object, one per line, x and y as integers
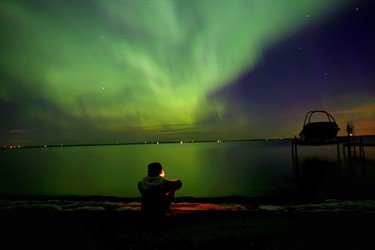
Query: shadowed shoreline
{"type": "Point", "coordinates": [302, 219]}
{"type": "Point", "coordinates": [116, 223]}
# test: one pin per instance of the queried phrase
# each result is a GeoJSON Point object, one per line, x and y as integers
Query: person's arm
{"type": "Point", "coordinates": [173, 184]}
{"type": "Point", "coordinates": [140, 186]}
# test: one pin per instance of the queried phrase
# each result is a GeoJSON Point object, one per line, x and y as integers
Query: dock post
{"type": "Point", "coordinates": [349, 149]}
{"type": "Point", "coordinates": [361, 150]}
{"type": "Point", "coordinates": [338, 150]}
{"type": "Point", "coordinates": [295, 157]}
{"type": "Point", "coordinates": [294, 149]}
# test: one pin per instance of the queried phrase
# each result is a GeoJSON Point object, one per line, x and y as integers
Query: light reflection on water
{"type": "Point", "coordinates": [242, 168]}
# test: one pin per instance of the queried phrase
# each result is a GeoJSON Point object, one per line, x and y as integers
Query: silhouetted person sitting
{"type": "Point", "coordinates": [157, 192]}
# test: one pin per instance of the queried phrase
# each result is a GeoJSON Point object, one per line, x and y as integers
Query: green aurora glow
{"type": "Point", "coordinates": [138, 70]}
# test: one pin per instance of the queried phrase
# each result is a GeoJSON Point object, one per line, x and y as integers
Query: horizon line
{"type": "Point", "coordinates": [155, 142]}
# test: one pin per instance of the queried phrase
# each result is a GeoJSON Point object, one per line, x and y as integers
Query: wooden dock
{"type": "Point", "coordinates": [351, 147]}
{"type": "Point", "coordinates": [350, 144]}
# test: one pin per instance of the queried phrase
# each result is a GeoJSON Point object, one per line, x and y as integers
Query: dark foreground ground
{"type": "Point", "coordinates": [194, 224]}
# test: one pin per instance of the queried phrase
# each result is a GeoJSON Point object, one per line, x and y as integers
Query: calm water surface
{"type": "Point", "coordinates": [210, 169]}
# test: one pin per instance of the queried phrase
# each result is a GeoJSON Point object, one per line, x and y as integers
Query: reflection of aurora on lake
{"type": "Point", "coordinates": [244, 168]}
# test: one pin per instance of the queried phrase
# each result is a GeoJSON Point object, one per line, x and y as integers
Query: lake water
{"type": "Point", "coordinates": [207, 169]}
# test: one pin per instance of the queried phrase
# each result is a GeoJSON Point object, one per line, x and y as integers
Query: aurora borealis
{"type": "Point", "coordinates": [95, 71]}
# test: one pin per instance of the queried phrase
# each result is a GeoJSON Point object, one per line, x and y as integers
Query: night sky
{"type": "Point", "coordinates": [94, 71]}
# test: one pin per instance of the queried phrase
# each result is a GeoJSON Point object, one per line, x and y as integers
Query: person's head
{"type": "Point", "coordinates": [154, 169]}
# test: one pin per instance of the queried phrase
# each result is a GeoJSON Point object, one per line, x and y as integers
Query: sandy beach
{"type": "Point", "coordinates": [224, 223]}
